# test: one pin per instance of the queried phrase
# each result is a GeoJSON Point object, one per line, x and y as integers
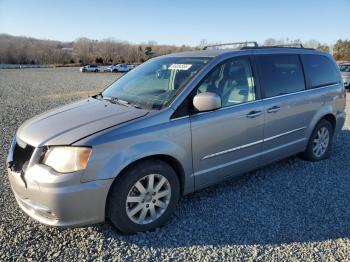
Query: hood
{"type": "Point", "coordinates": [70, 123]}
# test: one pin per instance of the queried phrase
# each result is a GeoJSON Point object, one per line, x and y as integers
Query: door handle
{"type": "Point", "coordinates": [254, 113]}
{"type": "Point", "coordinates": [273, 109]}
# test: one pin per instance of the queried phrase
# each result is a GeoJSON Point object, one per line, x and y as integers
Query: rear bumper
{"type": "Point", "coordinates": [59, 200]}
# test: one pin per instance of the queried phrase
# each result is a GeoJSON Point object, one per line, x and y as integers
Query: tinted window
{"type": "Point", "coordinates": [232, 80]}
{"type": "Point", "coordinates": [319, 70]}
{"type": "Point", "coordinates": [280, 74]}
{"type": "Point", "coordinates": [344, 68]}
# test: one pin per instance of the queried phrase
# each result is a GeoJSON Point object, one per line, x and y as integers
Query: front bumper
{"type": "Point", "coordinates": [59, 200]}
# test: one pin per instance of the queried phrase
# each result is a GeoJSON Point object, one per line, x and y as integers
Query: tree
{"type": "Point", "coordinates": [324, 48]}
{"type": "Point", "coordinates": [203, 43]}
{"type": "Point", "coordinates": [148, 51]}
{"type": "Point", "coordinates": [341, 50]}
{"type": "Point", "coordinates": [312, 43]}
{"type": "Point", "coordinates": [270, 42]}
{"type": "Point", "coordinates": [83, 48]}
{"type": "Point", "coordinates": [25, 50]}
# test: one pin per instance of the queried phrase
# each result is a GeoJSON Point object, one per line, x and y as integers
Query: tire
{"type": "Point", "coordinates": [96, 71]}
{"type": "Point", "coordinates": [120, 211]}
{"type": "Point", "coordinates": [309, 154]}
{"type": "Point", "coordinates": [115, 71]}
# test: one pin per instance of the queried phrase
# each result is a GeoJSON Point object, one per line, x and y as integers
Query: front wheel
{"type": "Point", "coordinates": [143, 197]}
{"type": "Point", "coordinates": [319, 146]}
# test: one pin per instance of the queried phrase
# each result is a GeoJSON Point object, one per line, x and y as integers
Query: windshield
{"type": "Point", "coordinates": [155, 83]}
{"type": "Point", "coordinates": [344, 68]}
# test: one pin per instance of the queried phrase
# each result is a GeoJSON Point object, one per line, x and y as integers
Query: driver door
{"type": "Point", "coordinates": [228, 141]}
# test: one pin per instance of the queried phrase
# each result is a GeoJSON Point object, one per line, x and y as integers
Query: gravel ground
{"type": "Point", "coordinates": [290, 210]}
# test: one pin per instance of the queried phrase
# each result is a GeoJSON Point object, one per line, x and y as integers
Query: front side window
{"type": "Point", "coordinates": [320, 70]}
{"type": "Point", "coordinates": [232, 80]}
{"type": "Point", "coordinates": [155, 83]}
{"type": "Point", "coordinates": [280, 74]}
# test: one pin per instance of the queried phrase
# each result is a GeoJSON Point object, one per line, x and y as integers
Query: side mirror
{"type": "Point", "coordinates": [206, 102]}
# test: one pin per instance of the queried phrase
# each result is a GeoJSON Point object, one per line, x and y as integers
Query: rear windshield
{"type": "Point", "coordinates": [155, 83]}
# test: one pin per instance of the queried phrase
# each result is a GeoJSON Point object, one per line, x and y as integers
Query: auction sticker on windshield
{"type": "Point", "coordinates": [180, 66]}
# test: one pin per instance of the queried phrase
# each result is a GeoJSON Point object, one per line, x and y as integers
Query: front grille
{"type": "Point", "coordinates": [21, 157]}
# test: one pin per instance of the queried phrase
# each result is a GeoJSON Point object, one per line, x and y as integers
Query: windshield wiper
{"type": "Point", "coordinates": [119, 101]}
{"type": "Point", "coordinates": [116, 100]}
{"type": "Point", "coordinates": [122, 102]}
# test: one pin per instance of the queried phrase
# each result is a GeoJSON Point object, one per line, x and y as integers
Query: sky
{"type": "Point", "coordinates": [177, 21]}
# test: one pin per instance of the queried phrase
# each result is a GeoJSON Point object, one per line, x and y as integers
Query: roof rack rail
{"type": "Point", "coordinates": [245, 44]}
{"type": "Point", "coordinates": [300, 45]}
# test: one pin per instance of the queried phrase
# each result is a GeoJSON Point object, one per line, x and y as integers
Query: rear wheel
{"type": "Point", "coordinates": [319, 146]}
{"type": "Point", "coordinates": [143, 197]}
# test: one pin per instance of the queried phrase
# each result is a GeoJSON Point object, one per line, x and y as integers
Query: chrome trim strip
{"type": "Point", "coordinates": [252, 144]}
{"type": "Point", "coordinates": [283, 134]}
{"type": "Point", "coordinates": [247, 157]}
{"type": "Point", "coordinates": [228, 107]}
{"type": "Point", "coordinates": [233, 149]}
{"type": "Point", "coordinates": [179, 118]}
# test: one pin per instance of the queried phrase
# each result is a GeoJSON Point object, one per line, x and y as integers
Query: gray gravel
{"type": "Point", "coordinates": [290, 210]}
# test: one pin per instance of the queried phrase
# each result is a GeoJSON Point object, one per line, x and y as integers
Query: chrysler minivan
{"type": "Point", "coordinates": [172, 126]}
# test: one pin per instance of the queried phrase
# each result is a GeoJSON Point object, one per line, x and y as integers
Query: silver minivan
{"type": "Point", "coordinates": [172, 126]}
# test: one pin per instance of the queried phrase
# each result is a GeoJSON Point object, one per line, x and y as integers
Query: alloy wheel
{"type": "Point", "coordinates": [148, 199]}
{"type": "Point", "coordinates": [321, 141]}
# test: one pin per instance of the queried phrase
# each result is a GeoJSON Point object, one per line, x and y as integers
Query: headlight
{"type": "Point", "coordinates": [66, 159]}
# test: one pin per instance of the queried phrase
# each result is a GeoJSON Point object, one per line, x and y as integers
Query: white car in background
{"type": "Point", "coordinates": [90, 68]}
{"type": "Point", "coordinates": [117, 68]}
{"type": "Point", "coordinates": [131, 67]}
{"type": "Point", "coordinates": [345, 72]}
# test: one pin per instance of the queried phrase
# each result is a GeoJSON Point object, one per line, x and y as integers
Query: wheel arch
{"type": "Point", "coordinates": [330, 118]}
{"type": "Point", "coordinates": [326, 113]}
{"type": "Point", "coordinates": [170, 160]}
{"type": "Point", "coordinates": [173, 162]}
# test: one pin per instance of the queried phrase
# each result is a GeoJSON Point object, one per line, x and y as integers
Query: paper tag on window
{"type": "Point", "coordinates": [180, 66]}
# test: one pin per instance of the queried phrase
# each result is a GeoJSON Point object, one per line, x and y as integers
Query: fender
{"type": "Point", "coordinates": [323, 111]}
{"type": "Point", "coordinates": [109, 164]}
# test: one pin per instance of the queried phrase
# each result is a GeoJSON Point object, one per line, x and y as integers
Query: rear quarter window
{"type": "Point", "coordinates": [319, 70]}
{"type": "Point", "coordinates": [280, 74]}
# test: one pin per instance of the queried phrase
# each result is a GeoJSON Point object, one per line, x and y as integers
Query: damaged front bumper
{"type": "Point", "coordinates": [53, 198]}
